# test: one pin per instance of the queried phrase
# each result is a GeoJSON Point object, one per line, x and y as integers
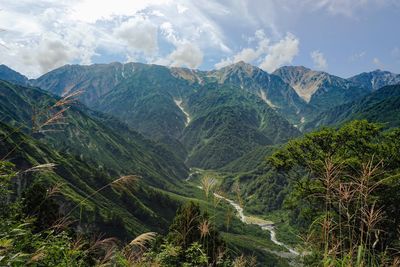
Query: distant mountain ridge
{"type": "Point", "coordinates": [382, 106]}
{"type": "Point", "coordinates": [13, 76]}
{"type": "Point", "coordinates": [320, 89]}
{"type": "Point", "coordinates": [180, 107]}
{"type": "Point", "coordinates": [375, 79]}
{"type": "Point", "coordinates": [146, 96]}
{"type": "Point", "coordinates": [93, 136]}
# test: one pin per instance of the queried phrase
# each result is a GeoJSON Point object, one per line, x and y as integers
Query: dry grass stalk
{"type": "Point", "coordinates": [68, 99]}
{"type": "Point", "coordinates": [371, 216]}
{"type": "Point", "coordinates": [204, 227]}
{"type": "Point", "coordinates": [252, 262]}
{"type": "Point", "coordinates": [217, 200]}
{"type": "Point", "coordinates": [125, 182]}
{"type": "Point", "coordinates": [349, 221]}
{"type": "Point", "coordinates": [208, 184]}
{"type": "Point", "coordinates": [136, 248]}
{"type": "Point", "coordinates": [55, 114]}
{"type": "Point", "coordinates": [62, 223]}
{"type": "Point", "coordinates": [37, 256]}
{"type": "Point", "coordinates": [54, 190]}
{"type": "Point", "coordinates": [47, 167]}
{"type": "Point", "coordinates": [105, 247]}
{"type": "Point", "coordinates": [143, 240]}
{"type": "Point", "coordinates": [101, 244]}
{"type": "Point", "coordinates": [396, 262]}
{"type": "Point", "coordinates": [240, 261]}
{"type": "Point", "coordinates": [78, 243]}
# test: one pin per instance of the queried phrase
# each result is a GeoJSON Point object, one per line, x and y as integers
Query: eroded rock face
{"type": "Point", "coordinates": [375, 79]}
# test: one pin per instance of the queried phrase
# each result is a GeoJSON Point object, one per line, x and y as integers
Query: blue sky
{"type": "Point", "coordinates": [342, 37]}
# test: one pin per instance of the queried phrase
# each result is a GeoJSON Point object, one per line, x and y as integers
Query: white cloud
{"type": "Point", "coordinates": [49, 54]}
{"type": "Point", "coordinates": [188, 55]}
{"type": "Point", "coordinates": [270, 56]}
{"type": "Point", "coordinates": [348, 8]}
{"type": "Point", "coordinates": [281, 53]}
{"type": "Point", "coordinates": [91, 11]}
{"type": "Point", "coordinates": [178, 32]}
{"type": "Point", "coordinates": [248, 54]}
{"type": "Point", "coordinates": [181, 8]}
{"type": "Point", "coordinates": [139, 33]}
{"type": "Point", "coordinates": [319, 60]}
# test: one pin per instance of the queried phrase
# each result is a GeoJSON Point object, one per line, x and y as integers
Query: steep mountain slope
{"type": "Point", "coordinates": [320, 89]}
{"type": "Point", "coordinates": [160, 102]}
{"type": "Point", "coordinates": [11, 75]}
{"type": "Point", "coordinates": [95, 80]}
{"type": "Point", "coordinates": [97, 138]}
{"type": "Point", "coordinates": [270, 88]}
{"type": "Point", "coordinates": [121, 214]}
{"type": "Point", "coordinates": [229, 122]}
{"type": "Point", "coordinates": [138, 94]}
{"type": "Point", "coordinates": [383, 106]}
{"type": "Point", "coordinates": [147, 101]}
{"type": "Point", "coordinates": [375, 79]}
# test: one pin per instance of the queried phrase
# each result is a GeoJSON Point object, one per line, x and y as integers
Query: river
{"type": "Point", "coordinates": [268, 226]}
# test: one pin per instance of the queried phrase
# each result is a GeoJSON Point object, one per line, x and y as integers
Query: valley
{"type": "Point", "coordinates": [234, 141]}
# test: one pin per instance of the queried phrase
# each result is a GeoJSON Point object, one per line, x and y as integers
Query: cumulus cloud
{"type": "Point", "coordinates": [319, 60]}
{"type": "Point", "coordinates": [49, 54]}
{"type": "Point", "coordinates": [188, 55]}
{"type": "Point", "coordinates": [139, 33]}
{"type": "Point", "coordinates": [187, 33]}
{"type": "Point", "coordinates": [281, 53]}
{"type": "Point", "coordinates": [269, 56]}
{"type": "Point", "coordinates": [248, 54]}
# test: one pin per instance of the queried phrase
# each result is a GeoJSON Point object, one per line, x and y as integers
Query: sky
{"type": "Point", "coordinates": [342, 37]}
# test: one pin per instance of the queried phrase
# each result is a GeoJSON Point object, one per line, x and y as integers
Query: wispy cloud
{"type": "Point", "coordinates": [377, 62]}
{"type": "Point", "coordinates": [41, 35]}
{"type": "Point", "coordinates": [319, 60]}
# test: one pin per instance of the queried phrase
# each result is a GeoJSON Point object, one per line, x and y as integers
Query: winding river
{"type": "Point", "coordinates": [268, 226]}
{"type": "Point", "coordinates": [265, 225]}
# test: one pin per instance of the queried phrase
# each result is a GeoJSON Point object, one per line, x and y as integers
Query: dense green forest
{"type": "Point", "coordinates": [176, 167]}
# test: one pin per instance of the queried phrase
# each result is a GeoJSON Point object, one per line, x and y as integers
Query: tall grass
{"type": "Point", "coordinates": [348, 231]}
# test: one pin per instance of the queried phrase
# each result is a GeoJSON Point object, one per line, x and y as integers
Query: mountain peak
{"type": "Point", "coordinates": [293, 68]}
{"type": "Point", "coordinates": [8, 74]}
{"type": "Point", "coordinates": [307, 82]}
{"type": "Point", "coordinates": [240, 65]}
{"type": "Point", "coordinates": [375, 79]}
{"type": "Point", "coordinates": [241, 68]}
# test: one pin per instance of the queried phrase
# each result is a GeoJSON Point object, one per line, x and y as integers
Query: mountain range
{"type": "Point", "coordinates": [166, 124]}
{"type": "Point", "coordinates": [201, 115]}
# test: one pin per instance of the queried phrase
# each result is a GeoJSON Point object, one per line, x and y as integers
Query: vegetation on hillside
{"type": "Point", "coordinates": [380, 106]}
{"type": "Point", "coordinates": [344, 195]}
{"type": "Point", "coordinates": [228, 123]}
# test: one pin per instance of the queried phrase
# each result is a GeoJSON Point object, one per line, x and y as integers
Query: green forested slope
{"type": "Point", "coordinates": [117, 213]}
{"type": "Point", "coordinates": [228, 123]}
{"type": "Point", "coordinates": [95, 138]}
{"type": "Point", "coordinates": [382, 106]}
